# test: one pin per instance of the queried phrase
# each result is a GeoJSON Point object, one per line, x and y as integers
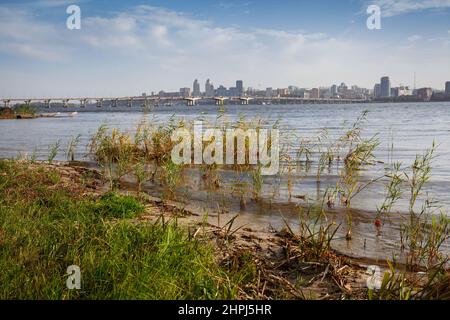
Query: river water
{"type": "Point", "coordinates": [404, 130]}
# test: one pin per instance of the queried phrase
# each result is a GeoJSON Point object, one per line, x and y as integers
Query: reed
{"type": "Point", "coordinates": [71, 147]}
{"type": "Point", "coordinates": [53, 151]}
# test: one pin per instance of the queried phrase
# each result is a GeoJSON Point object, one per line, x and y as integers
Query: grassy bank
{"type": "Point", "coordinates": [48, 222]}
{"type": "Point", "coordinates": [53, 216]}
{"type": "Point", "coordinates": [19, 112]}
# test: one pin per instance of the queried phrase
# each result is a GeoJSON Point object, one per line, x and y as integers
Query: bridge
{"type": "Point", "coordinates": [146, 101]}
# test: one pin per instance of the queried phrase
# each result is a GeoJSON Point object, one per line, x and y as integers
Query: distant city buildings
{"type": "Point", "coordinates": [401, 91]}
{"type": "Point", "coordinates": [240, 88]}
{"type": "Point", "coordinates": [304, 94]}
{"type": "Point", "coordinates": [377, 91]}
{"type": "Point", "coordinates": [314, 93]}
{"type": "Point", "coordinates": [382, 91]}
{"type": "Point", "coordinates": [385, 87]}
{"type": "Point", "coordinates": [185, 92]}
{"type": "Point", "coordinates": [334, 90]}
{"type": "Point", "coordinates": [209, 89]}
{"type": "Point", "coordinates": [196, 89]}
{"type": "Point", "coordinates": [424, 94]}
{"type": "Point", "coordinates": [283, 92]}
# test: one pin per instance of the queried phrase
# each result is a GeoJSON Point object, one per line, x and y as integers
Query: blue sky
{"type": "Point", "coordinates": [130, 47]}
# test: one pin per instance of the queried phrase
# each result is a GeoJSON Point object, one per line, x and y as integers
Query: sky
{"type": "Point", "coordinates": [127, 48]}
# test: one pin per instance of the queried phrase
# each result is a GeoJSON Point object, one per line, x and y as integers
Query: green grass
{"type": "Point", "coordinates": [45, 227]}
{"type": "Point", "coordinates": [24, 109]}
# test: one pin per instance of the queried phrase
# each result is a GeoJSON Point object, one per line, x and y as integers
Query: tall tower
{"type": "Point", "coordinates": [240, 87]}
{"type": "Point", "coordinates": [385, 87]}
{"type": "Point", "coordinates": [209, 88]}
{"type": "Point", "coordinates": [196, 89]}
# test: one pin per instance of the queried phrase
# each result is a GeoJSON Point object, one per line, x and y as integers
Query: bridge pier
{"type": "Point", "coordinates": [65, 103]}
{"type": "Point", "coordinates": [99, 103]}
{"type": "Point", "coordinates": [114, 103]}
{"type": "Point", "coordinates": [245, 101]}
{"type": "Point", "coordinates": [83, 103]}
{"type": "Point", "coordinates": [220, 101]}
{"type": "Point", "coordinates": [190, 102]}
{"type": "Point", "coordinates": [130, 102]}
{"type": "Point", "coordinates": [47, 103]}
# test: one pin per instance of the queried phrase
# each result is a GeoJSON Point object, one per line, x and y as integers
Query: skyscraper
{"type": "Point", "coordinates": [377, 91]}
{"type": "Point", "coordinates": [385, 87]}
{"type": "Point", "coordinates": [196, 89]}
{"type": "Point", "coordinates": [334, 90]}
{"type": "Point", "coordinates": [209, 89]}
{"type": "Point", "coordinates": [240, 87]}
{"type": "Point", "coordinates": [447, 88]}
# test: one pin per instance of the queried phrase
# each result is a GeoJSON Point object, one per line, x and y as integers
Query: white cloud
{"type": "Point", "coordinates": [151, 48]}
{"type": "Point", "coordinates": [234, 5]}
{"type": "Point", "coordinates": [22, 34]}
{"type": "Point", "coordinates": [56, 3]}
{"type": "Point", "coordinates": [390, 8]}
{"type": "Point", "coordinates": [414, 38]}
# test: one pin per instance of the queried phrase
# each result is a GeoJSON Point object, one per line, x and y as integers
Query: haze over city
{"type": "Point", "coordinates": [126, 48]}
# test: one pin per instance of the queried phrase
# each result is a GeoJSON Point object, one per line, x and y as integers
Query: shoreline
{"type": "Point", "coordinates": [276, 254]}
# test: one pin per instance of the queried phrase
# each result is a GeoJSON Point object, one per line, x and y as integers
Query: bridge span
{"type": "Point", "coordinates": [82, 102]}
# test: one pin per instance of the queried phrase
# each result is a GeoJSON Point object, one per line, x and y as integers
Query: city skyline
{"type": "Point", "coordinates": [385, 86]}
{"type": "Point", "coordinates": [143, 46]}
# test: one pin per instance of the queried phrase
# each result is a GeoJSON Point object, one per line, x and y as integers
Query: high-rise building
{"type": "Point", "coordinates": [342, 89]}
{"type": "Point", "coordinates": [385, 87]}
{"type": "Point", "coordinates": [447, 88]}
{"type": "Point", "coordinates": [334, 90]}
{"type": "Point", "coordinates": [209, 88]}
{"type": "Point", "coordinates": [314, 93]}
{"type": "Point", "coordinates": [221, 91]}
{"type": "Point", "coordinates": [185, 92]}
{"type": "Point", "coordinates": [240, 87]}
{"type": "Point", "coordinates": [377, 91]}
{"type": "Point", "coordinates": [196, 89]}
